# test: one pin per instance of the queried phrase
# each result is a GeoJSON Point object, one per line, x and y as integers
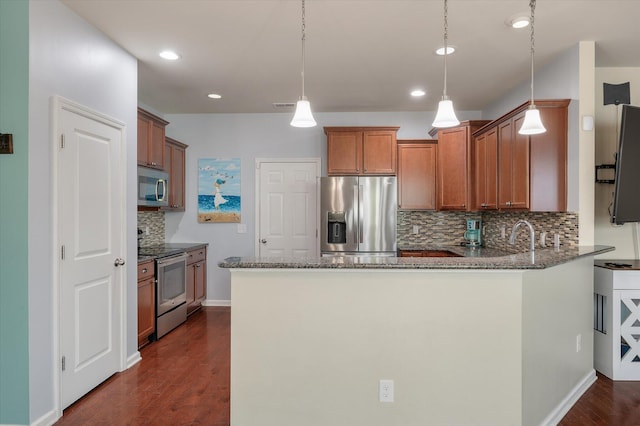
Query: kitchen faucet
{"type": "Point", "coordinates": [512, 239]}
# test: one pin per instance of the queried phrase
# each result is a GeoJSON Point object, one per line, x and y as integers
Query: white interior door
{"type": "Point", "coordinates": [90, 204]}
{"type": "Point", "coordinates": [287, 209]}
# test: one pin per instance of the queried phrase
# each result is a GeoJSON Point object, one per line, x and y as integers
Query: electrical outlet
{"type": "Point", "coordinates": [242, 228]}
{"type": "Point", "coordinates": [578, 342]}
{"type": "Point", "coordinates": [386, 390]}
{"type": "Point", "coordinates": [503, 231]}
{"type": "Point", "coordinates": [146, 230]}
{"type": "Point", "coordinates": [416, 229]}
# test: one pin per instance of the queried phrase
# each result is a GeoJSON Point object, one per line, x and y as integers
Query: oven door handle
{"type": "Point", "coordinates": [173, 259]}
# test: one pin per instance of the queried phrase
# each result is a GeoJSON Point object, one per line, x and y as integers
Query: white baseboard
{"type": "Point", "coordinates": [213, 302]}
{"type": "Point", "coordinates": [46, 420]}
{"type": "Point", "coordinates": [572, 397]}
{"type": "Point", "coordinates": [133, 359]}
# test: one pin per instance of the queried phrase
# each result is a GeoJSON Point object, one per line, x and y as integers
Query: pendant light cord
{"type": "Point", "coordinates": [446, 37]}
{"type": "Point", "coordinates": [532, 4]}
{"type": "Point", "coordinates": [304, 37]}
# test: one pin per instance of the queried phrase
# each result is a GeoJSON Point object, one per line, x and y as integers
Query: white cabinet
{"type": "Point", "coordinates": [617, 320]}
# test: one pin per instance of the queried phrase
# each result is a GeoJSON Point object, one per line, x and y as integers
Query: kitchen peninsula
{"type": "Point", "coordinates": [486, 339]}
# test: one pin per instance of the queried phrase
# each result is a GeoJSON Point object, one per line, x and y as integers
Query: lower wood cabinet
{"type": "Point", "coordinates": [196, 278]}
{"type": "Point", "coordinates": [146, 302]}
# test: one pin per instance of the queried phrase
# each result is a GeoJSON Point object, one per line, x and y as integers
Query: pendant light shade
{"type": "Point", "coordinates": [445, 116]}
{"type": "Point", "coordinates": [303, 116]}
{"type": "Point", "coordinates": [532, 124]}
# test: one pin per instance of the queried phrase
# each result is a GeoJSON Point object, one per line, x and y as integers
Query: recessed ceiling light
{"type": "Point", "coordinates": [418, 93]}
{"type": "Point", "coordinates": [169, 55]}
{"type": "Point", "coordinates": [450, 50]}
{"type": "Point", "coordinates": [518, 22]}
{"type": "Point", "coordinates": [214, 96]}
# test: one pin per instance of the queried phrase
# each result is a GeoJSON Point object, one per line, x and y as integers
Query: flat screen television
{"type": "Point", "coordinates": [626, 196]}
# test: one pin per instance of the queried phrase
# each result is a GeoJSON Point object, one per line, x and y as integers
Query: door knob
{"type": "Point", "coordinates": [263, 241]}
{"type": "Point", "coordinates": [118, 262]}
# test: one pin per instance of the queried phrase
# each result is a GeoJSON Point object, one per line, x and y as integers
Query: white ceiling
{"type": "Point", "coordinates": [361, 55]}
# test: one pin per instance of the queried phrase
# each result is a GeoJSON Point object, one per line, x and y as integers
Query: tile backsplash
{"type": "Point", "coordinates": [155, 221]}
{"type": "Point", "coordinates": [447, 228]}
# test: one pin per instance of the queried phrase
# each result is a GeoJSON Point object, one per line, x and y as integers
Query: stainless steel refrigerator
{"type": "Point", "coordinates": [358, 215]}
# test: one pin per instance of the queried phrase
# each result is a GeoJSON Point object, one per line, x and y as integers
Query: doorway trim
{"type": "Point", "coordinates": [57, 105]}
{"type": "Point", "coordinates": [259, 162]}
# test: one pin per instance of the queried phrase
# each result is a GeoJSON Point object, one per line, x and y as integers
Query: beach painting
{"type": "Point", "coordinates": [219, 190]}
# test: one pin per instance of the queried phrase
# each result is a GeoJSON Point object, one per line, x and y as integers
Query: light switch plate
{"type": "Point", "coordinates": [242, 228]}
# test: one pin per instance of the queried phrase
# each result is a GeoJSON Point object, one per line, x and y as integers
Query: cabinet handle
{"type": "Point", "coordinates": [144, 270]}
{"type": "Point", "coordinates": [198, 265]}
{"type": "Point", "coordinates": [153, 163]}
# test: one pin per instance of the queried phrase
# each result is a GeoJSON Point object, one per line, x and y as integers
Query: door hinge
{"type": "Point", "coordinates": [62, 252]}
{"type": "Point", "coordinates": [64, 362]}
{"type": "Point", "coordinates": [61, 141]}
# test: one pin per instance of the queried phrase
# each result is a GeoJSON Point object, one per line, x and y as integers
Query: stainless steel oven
{"type": "Point", "coordinates": [171, 294]}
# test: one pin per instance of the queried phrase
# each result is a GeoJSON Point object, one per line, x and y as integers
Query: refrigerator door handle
{"type": "Point", "coordinates": [360, 214]}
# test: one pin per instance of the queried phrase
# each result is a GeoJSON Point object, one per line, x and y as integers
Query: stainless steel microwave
{"type": "Point", "coordinates": [153, 187]}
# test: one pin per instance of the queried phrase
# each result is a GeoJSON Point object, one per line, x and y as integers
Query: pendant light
{"type": "Point", "coordinates": [532, 124]}
{"type": "Point", "coordinates": [303, 116]}
{"type": "Point", "coordinates": [445, 117]}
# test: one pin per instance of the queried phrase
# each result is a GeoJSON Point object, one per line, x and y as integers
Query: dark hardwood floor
{"type": "Point", "coordinates": [183, 379]}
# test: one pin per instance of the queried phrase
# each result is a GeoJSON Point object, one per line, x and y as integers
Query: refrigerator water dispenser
{"type": "Point", "coordinates": [337, 228]}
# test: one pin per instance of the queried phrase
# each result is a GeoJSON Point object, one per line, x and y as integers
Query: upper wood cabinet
{"type": "Point", "coordinates": [513, 166]}
{"type": "Point", "coordinates": [455, 166]}
{"type": "Point", "coordinates": [175, 153]}
{"type": "Point", "coordinates": [417, 174]}
{"type": "Point", "coordinates": [361, 150]}
{"type": "Point", "coordinates": [532, 170]}
{"type": "Point", "coordinates": [150, 139]}
{"type": "Point", "coordinates": [486, 170]}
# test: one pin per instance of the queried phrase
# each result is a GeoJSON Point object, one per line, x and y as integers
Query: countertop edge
{"type": "Point", "coordinates": [539, 259]}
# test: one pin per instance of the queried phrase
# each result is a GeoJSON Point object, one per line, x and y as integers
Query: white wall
{"type": "Point", "coordinates": [70, 58]}
{"type": "Point", "coordinates": [250, 136]}
{"type": "Point", "coordinates": [607, 122]}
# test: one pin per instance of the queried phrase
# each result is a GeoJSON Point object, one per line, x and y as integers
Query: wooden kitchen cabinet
{"type": "Point", "coordinates": [486, 170]}
{"type": "Point", "coordinates": [151, 140]}
{"type": "Point", "coordinates": [455, 166]}
{"type": "Point", "coordinates": [532, 170]}
{"type": "Point", "coordinates": [175, 153]}
{"type": "Point", "coordinates": [196, 278]}
{"type": "Point", "coordinates": [361, 150]}
{"type": "Point", "coordinates": [417, 174]}
{"type": "Point", "coordinates": [513, 165]}
{"type": "Point", "coordinates": [146, 302]}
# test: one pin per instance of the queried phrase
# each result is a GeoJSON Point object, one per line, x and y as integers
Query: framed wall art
{"type": "Point", "coordinates": [219, 195]}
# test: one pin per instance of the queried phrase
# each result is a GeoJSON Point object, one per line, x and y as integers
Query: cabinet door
{"type": "Point", "coordinates": [452, 169]}
{"type": "Point", "coordinates": [144, 132]}
{"type": "Point", "coordinates": [549, 163]}
{"type": "Point", "coordinates": [156, 146]}
{"type": "Point", "coordinates": [146, 310]}
{"type": "Point", "coordinates": [175, 166]}
{"type": "Point", "coordinates": [519, 167]}
{"type": "Point", "coordinates": [486, 170]}
{"type": "Point", "coordinates": [344, 153]}
{"type": "Point", "coordinates": [379, 152]}
{"type": "Point", "coordinates": [200, 284]}
{"type": "Point", "coordinates": [504, 164]}
{"type": "Point", "coordinates": [191, 280]}
{"type": "Point", "coordinates": [417, 176]}
{"type": "Point", "coordinates": [513, 168]}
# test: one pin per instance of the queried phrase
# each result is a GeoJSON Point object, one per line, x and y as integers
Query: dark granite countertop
{"type": "Point", "coordinates": [144, 252]}
{"type": "Point", "coordinates": [484, 258]}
